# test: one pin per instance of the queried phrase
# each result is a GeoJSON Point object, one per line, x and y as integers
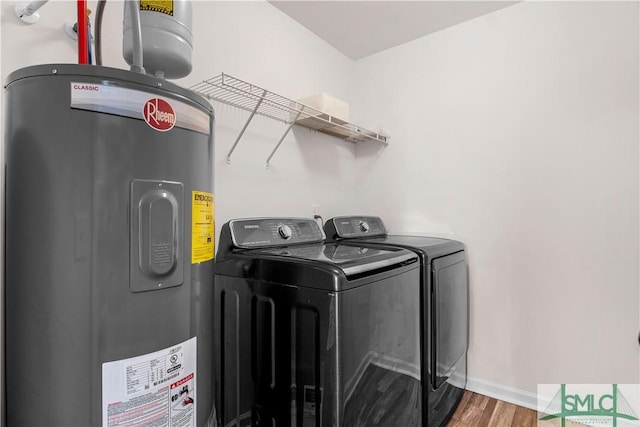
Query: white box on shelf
{"type": "Point", "coordinates": [324, 107]}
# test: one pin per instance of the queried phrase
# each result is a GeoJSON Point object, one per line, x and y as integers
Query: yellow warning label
{"type": "Point", "coordinates": [162, 6]}
{"type": "Point", "coordinates": [202, 227]}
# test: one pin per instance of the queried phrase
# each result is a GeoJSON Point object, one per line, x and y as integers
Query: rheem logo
{"type": "Point", "coordinates": [159, 114]}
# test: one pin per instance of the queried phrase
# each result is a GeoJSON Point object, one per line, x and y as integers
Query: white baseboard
{"type": "Point", "coordinates": [508, 394]}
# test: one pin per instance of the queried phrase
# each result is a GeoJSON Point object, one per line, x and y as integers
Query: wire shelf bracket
{"type": "Point", "coordinates": [256, 100]}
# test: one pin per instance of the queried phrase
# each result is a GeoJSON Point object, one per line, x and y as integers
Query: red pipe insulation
{"type": "Point", "coordinates": [83, 44]}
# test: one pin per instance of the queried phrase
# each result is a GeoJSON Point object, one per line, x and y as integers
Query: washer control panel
{"type": "Point", "coordinates": [263, 232]}
{"type": "Point", "coordinates": [347, 227]}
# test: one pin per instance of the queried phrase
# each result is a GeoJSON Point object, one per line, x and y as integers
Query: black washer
{"type": "Point", "coordinates": [314, 334]}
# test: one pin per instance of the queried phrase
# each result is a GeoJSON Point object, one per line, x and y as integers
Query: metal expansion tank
{"type": "Point", "coordinates": [167, 43]}
{"type": "Point", "coordinates": [109, 249]}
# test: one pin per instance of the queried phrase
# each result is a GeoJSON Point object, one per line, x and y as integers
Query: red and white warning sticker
{"type": "Point", "coordinates": [156, 389]}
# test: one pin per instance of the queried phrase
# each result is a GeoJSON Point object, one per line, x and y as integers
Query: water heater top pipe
{"type": "Point", "coordinates": [27, 12]}
{"type": "Point", "coordinates": [136, 35]}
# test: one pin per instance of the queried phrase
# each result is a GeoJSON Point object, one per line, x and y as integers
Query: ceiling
{"type": "Point", "coordinates": [362, 28]}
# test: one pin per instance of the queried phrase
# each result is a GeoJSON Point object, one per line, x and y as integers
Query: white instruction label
{"type": "Point", "coordinates": [153, 390]}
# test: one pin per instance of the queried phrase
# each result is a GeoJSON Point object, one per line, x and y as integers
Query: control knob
{"type": "Point", "coordinates": [363, 226]}
{"type": "Point", "coordinates": [284, 231]}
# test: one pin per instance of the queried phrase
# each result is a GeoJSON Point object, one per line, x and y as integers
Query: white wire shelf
{"type": "Point", "coordinates": [238, 93]}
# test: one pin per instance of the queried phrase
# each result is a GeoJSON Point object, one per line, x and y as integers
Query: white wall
{"type": "Point", "coordinates": [517, 133]}
{"type": "Point", "coordinates": [258, 43]}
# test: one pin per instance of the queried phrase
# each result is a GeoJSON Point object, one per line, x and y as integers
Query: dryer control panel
{"type": "Point", "coordinates": [349, 227]}
{"type": "Point", "coordinates": [263, 232]}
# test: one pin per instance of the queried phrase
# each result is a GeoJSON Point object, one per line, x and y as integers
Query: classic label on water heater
{"type": "Point", "coordinates": [160, 113]}
{"type": "Point", "coordinates": [202, 229]}
{"type": "Point", "coordinates": [156, 389]}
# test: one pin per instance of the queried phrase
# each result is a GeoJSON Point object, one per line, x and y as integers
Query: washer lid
{"type": "Point", "coordinates": [354, 261]}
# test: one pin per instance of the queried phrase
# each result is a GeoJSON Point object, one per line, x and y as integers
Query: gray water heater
{"type": "Point", "coordinates": [109, 250]}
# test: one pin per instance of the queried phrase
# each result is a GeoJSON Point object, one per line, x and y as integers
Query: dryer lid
{"type": "Point", "coordinates": [371, 229]}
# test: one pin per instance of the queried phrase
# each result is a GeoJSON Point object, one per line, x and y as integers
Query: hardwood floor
{"type": "Point", "coordinates": [476, 410]}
